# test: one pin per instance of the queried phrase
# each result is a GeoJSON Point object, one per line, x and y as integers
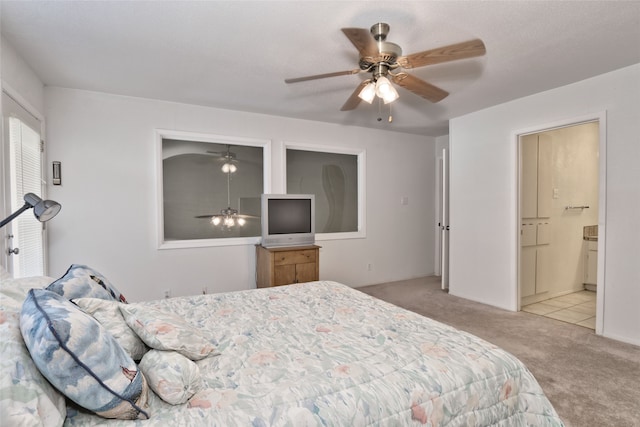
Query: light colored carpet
{"type": "Point", "coordinates": [591, 381]}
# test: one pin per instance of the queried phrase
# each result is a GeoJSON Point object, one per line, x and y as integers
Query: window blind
{"type": "Point", "coordinates": [25, 166]}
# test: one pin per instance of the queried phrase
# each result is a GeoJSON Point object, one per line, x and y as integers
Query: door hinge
{"type": "Point", "coordinates": [42, 145]}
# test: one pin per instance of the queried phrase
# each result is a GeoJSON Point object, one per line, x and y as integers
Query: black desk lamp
{"type": "Point", "coordinates": [44, 210]}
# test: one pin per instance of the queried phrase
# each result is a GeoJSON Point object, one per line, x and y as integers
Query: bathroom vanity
{"type": "Point", "coordinates": [590, 243]}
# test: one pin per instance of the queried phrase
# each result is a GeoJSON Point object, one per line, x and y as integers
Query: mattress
{"type": "Point", "coordinates": [324, 354]}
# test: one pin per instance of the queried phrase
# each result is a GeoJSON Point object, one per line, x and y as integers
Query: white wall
{"type": "Point", "coordinates": [484, 193]}
{"type": "Point", "coordinates": [19, 78]}
{"type": "Point", "coordinates": [108, 193]}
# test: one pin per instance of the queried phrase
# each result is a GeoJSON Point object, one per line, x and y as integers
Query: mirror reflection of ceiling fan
{"type": "Point", "coordinates": [228, 217]}
{"type": "Point", "coordinates": [384, 61]}
{"type": "Point", "coordinates": [228, 158]}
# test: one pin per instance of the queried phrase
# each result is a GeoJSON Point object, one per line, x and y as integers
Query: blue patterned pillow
{"type": "Point", "coordinates": [80, 358]}
{"type": "Point", "coordinates": [81, 281]}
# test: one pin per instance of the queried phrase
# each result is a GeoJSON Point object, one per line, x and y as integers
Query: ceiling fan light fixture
{"type": "Point", "coordinates": [390, 96]}
{"type": "Point", "coordinates": [368, 93]}
{"type": "Point", "coordinates": [385, 90]}
{"type": "Point", "coordinates": [229, 168]}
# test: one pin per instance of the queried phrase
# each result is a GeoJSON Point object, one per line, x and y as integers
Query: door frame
{"type": "Point", "coordinates": [5, 192]}
{"type": "Point", "coordinates": [438, 203]}
{"type": "Point", "coordinates": [441, 256]}
{"type": "Point", "coordinates": [601, 119]}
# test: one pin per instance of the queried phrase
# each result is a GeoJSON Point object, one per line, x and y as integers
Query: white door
{"type": "Point", "coordinates": [22, 160]}
{"type": "Point", "coordinates": [444, 215]}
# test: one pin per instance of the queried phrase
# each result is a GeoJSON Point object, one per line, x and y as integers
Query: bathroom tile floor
{"type": "Point", "coordinates": [578, 308]}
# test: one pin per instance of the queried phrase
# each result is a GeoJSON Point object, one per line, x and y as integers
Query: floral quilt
{"type": "Point", "coordinates": [324, 354]}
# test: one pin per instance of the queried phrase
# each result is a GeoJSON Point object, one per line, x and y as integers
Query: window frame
{"type": "Point", "coordinates": [361, 154]}
{"type": "Point", "coordinates": [161, 134]}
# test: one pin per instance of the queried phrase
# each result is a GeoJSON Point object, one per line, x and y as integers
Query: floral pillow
{"type": "Point", "coordinates": [166, 331]}
{"type": "Point", "coordinates": [80, 358]}
{"type": "Point", "coordinates": [109, 315]}
{"type": "Point", "coordinates": [81, 281]}
{"type": "Point", "coordinates": [26, 397]}
{"type": "Point", "coordinates": [171, 375]}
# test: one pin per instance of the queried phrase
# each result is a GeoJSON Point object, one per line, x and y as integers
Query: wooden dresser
{"type": "Point", "coordinates": [287, 265]}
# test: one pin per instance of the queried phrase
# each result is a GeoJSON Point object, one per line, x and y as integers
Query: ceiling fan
{"type": "Point", "coordinates": [384, 61]}
{"type": "Point", "coordinates": [228, 217]}
{"type": "Point", "coordinates": [228, 157]}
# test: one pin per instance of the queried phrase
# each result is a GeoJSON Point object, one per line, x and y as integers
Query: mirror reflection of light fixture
{"type": "Point", "coordinates": [43, 210]}
{"type": "Point", "coordinates": [229, 158]}
{"type": "Point", "coordinates": [229, 168]}
{"type": "Point", "coordinates": [228, 217]}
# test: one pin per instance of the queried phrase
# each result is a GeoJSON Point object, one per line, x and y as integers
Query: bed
{"type": "Point", "coordinates": [310, 354]}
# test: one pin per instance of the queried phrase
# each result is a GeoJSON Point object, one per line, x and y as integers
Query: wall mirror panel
{"type": "Point", "coordinates": [211, 189]}
{"type": "Point", "coordinates": [335, 179]}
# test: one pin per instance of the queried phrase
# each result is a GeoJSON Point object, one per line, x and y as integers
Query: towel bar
{"type": "Point", "coordinates": [576, 207]}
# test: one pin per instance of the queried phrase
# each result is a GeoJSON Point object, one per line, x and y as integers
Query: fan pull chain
{"type": "Point", "coordinates": [379, 109]}
{"type": "Point", "coordinates": [390, 116]}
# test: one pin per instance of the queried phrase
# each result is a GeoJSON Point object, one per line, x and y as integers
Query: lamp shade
{"type": "Point", "coordinates": [229, 168]}
{"type": "Point", "coordinates": [368, 93]}
{"type": "Point", "coordinates": [385, 90]}
{"type": "Point", "coordinates": [43, 210]}
{"type": "Point", "coordinates": [46, 209]}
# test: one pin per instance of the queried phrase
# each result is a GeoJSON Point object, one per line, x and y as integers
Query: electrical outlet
{"type": "Point", "coordinates": [167, 293]}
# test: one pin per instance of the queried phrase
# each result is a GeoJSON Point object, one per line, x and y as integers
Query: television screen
{"type": "Point", "coordinates": [289, 216]}
{"type": "Point", "coordinates": [288, 220]}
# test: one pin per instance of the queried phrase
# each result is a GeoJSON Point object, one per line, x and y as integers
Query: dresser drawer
{"type": "Point", "coordinates": [295, 257]}
{"type": "Point", "coordinates": [286, 265]}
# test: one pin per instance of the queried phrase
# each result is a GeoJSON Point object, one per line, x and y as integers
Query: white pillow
{"type": "Point", "coordinates": [108, 314]}
{"type": "Point", "coordinates": [166, 331]}
{"type": "Point", "coordinates": [171, 375]}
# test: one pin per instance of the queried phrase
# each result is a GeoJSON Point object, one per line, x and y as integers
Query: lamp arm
{"type": "Point", "coordinates": [11, 217]}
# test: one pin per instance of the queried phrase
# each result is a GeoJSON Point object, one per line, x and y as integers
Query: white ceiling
{"type": "Point", "coordinates": [236, 54]}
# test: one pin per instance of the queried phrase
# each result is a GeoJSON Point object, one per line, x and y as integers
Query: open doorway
{"type": "Point", "coordinates": [561, 179]}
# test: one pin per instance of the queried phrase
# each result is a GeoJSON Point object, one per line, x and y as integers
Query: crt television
{"type": "Point", "coordinates": [288, 220]}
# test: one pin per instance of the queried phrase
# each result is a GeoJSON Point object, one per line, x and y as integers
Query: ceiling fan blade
{"type": "Point", "coordinates": [468, 49]}
{"type": "Point", "coordinates": [420, 87]}
{"type": "Point", "coordinates": [354, 99]}
{"type": "Point", "coordinates": [238, 215]}
{"type": "Point", "coordinates": [362, 40]}
{"type": "Point", "coordinates": [322, 76]}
